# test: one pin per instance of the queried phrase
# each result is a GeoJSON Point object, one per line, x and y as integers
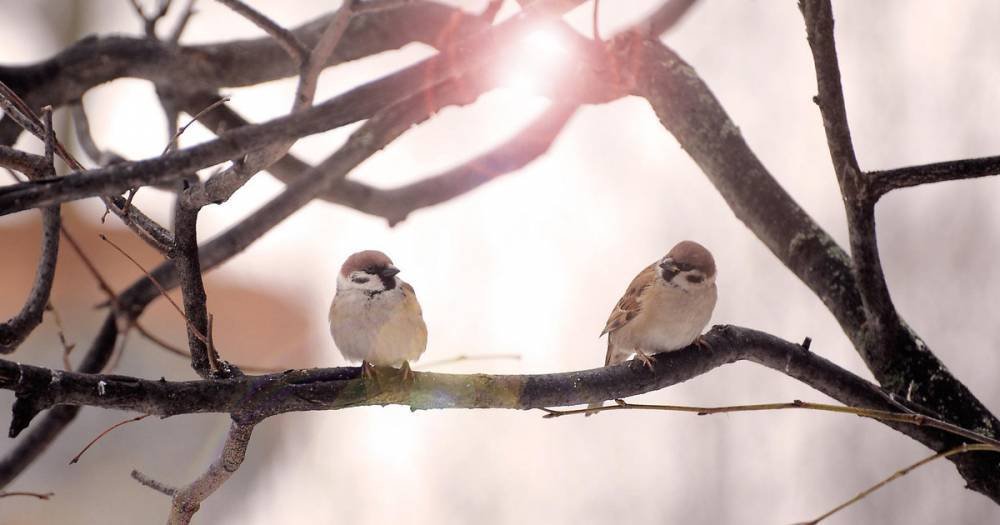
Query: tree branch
{"type": "Point", "coordinates": [204, 359]}
{"type": "Point", "coordinates": [881, 317]}
{"type": "Point", "coordinates": [14, 331]}
{"type": "Point", "coordinates": [882, 182]}
{"type": "Point", "coordinates": [187, 500]}
{"type": "Point", "coordinates": [687, 108]}
{"type": "Point", "coordinates": [665, 17]}
{"type": "Point", "coordinates": [258, 397]}
{"type": "Point", "coordinates": [396, 204]}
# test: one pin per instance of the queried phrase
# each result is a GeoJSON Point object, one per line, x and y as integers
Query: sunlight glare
{"type": "Point", "coordinates": [544, 44]}
{"type": "Point", "coordinates": [535, 62]}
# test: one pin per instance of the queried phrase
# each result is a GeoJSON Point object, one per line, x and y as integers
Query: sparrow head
{"type": "Point", "coordinates": [688, 266]}
{"type": "Point", "coordinates": [370, 271]}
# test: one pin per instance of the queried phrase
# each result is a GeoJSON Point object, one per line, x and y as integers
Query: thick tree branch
{"type": "Point", "coordinates": [460, 61]}
{"type": "Point", "coordinates": [257, 397]}
{"type": "Point", "coordinates": [204, 359]}
{"type": "Point", "coordinates": [33, 166]}
{"type": "Point", "coordinates": [882, 182]}
{"type": "Point", "coordinates": [881, 318]}
{"type": "Point", "coordinates": [687, 108]}
{"type": "Point", "coordinates": [94, 61]}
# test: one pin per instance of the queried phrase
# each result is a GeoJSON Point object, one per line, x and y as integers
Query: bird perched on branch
{"type": "Point", "coordinates": [664, 308]}
{"type": "Point", "coordinates": [375, 316]}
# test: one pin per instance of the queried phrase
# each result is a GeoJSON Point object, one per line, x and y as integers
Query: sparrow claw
{"type": "Point", "coordinates": [702, 343]}
{"type": "Point", "coordinates": [408, 376]}
{"type": "Point", "coordinates": [369, 374]}
{"type": "Point", "coordinates": [645, 359]}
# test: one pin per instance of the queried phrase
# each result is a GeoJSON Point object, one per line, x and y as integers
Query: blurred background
{"type": "Point", "coordinates": [613, 194]}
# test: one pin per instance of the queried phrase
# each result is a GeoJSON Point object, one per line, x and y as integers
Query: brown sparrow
{"type": "Point", "coordinates": [664, 308]}
{"type": "Point", "coordinates": [375, 316]}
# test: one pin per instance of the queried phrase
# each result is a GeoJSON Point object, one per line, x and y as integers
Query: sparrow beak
{"type": "Point", "coordinates": [389, 271]}
{"type": "Point", "coordinates": [669, 269]}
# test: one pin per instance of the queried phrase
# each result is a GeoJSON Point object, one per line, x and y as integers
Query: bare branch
{"type": "Point", "coordinates": [150, 20]}
{"type": "Point", "coordinates": [193, 292]}
{"type": "Point", "coordinates": [34, 166]}
{"type": "Point", "coordinates": [153, 484]}
{"type": "Point", "coordinates": [14, 331]}
{"type": "Point", "coordinates": [882, 182]}
{"type": "Point", "coordinates": [285, 38]}
{"type": "Point", "coordinates": [396, 204]}
{"type": "Point", "coordinates": [311, 62]}
{"type": "Point", "coordinates": [182, 22]}
{"type": "Point", "coordinates": [187, 500]}
{"type": "Point", "coordinates": [145, 228]}
{"type": "Point", "coordinates": [880, 314]}
{"type": "Point", "coordinates": [687, 108]}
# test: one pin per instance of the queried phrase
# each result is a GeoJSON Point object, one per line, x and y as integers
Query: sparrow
{"type": "Point", "coordinates": [375, 316]}
{"type": "Point", "coordinates": [664, 308]}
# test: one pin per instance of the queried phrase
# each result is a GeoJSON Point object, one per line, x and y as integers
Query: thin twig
{"type": "Point", "coordinates": [162, 343]}
{"type": "Point", "coordinates": [221, 186]}
{"type": "Point", "coordinates": [152, 483]}
{"type": "Point", "coordinates": [881, 415]}
{"type": "Point", "coordinates": [67, 346]}
{"type": "Point", "coordinates": [38, 495]}
{"type": "Point", "coordinates": [149, 21]}
{"type": "Point", "coordinates": [156, 283]}
{"type": "Point", "coordinates": [285, 38]}
{"type": "Point", "coordinates": [173, 140]}
{"type": "Point", "coordinates": [76, 458]}
{"type": "Point", "coordinates": [468, 357]}
{"type": "Point", "coordinates": [146, 228]}
{"type": "Point", "coordinates": [902, 472]}
{"type": "Point", "coordinates": [182, 22]}
{"type": "Point", "coordinates": [595, 22]}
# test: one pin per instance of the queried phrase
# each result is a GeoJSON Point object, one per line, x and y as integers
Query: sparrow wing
{"type": "Point", "coordinates": [411, 295]}
{"type": "Point", "coordinates": [629, 306]}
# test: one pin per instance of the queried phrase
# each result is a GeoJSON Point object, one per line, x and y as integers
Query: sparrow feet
{"type": "Point", "coordinates": [408, 376]}
{"type": "Point", "coordinates": [369, 374]}
{"type": "Point", "coordinates": [645, 359]}
{"type": "Point", "coordinates": [702, 343]}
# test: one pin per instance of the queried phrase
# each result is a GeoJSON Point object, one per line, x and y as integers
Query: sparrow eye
{"type": "Point", "coordinates": [359, 279]}
{"type": "Point", "coordinates": [695, 278]}
{"type": "Point", "coordinates": [684, 267]}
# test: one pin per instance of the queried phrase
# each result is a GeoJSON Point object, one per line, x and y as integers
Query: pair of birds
{"type": "Point", "coordinates": [375, 316]}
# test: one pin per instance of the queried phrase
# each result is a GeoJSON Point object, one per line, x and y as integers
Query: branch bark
{"type": "Point", "coordinates": [882, 182]}
{"type": "Point", "coordinates": [258, 397]}
{"type": "Point", "coordinates": [14, 331]}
